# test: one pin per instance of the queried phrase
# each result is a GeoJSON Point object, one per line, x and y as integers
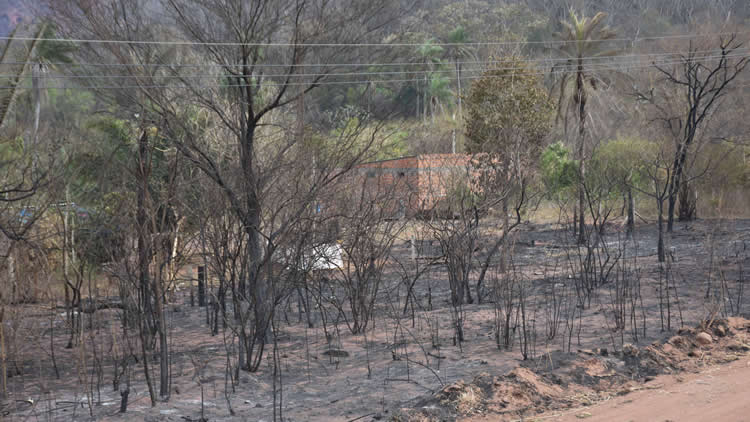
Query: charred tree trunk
{"type": "Point", "coordinates": [3, 357]}
{"type": "Point", "coordinates": [201, 286]}
{"type": "Point", "coordinates": [688, 199]}
{"type": "Point", "coordinates": [144, 238]}
{"type": "Point", "coordinates": [660, 245]}
{"type": "Point", "coordinates": [124, 387]}
{"type": "Point", "coordinates": [630, 222]}
{"type": "Point", "coordinates": [679, 189]}
{"type": "Point", "coordinates": [159, 310]}
{"type": "Point", "coordinates": [581, 100]}
{"type": "Point", "coordinates": [144, 256]}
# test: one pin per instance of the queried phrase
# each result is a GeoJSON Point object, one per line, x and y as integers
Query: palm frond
{"type": "Point", "coordinates": [593, 25]}
{"type": "Point", "coordinates": [458, 36]}
{"type": "Point", "coordinates": [430, 51]}
{"type": "Point", "coordinates": [570, 106]}
{"type": "Point", "coordinates": [575, 19]}
{"type": "Point", "coordinates": [54, 51]}
{"type": "Point", "coordinates": [562, 85]}
{"type": "Point", "coordinates": [569, 34]}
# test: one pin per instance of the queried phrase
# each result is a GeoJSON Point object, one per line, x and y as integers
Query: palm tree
{"type": "Point", "coordinates": [582, 40]}
{"type": "Point", "coordinates": [439, 93]}
{"type": "Point", "coordinates": [458, 48]}
{"type": "Point", "coordinates": [48, 54]}
{"type": "Point", "coordinates": [429, 54]}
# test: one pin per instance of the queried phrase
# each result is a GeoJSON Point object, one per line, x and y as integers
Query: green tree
{"type": "Point", "coordinates": [582, 40]}
{"type": "Point", "coordinates": [508, 112]}
{"type": "Point", "coordinates": [619, 163]}
{"type": "Point", "coordinates": [559, 171]}
{"type": "Point", "coordinates": [508, 118]}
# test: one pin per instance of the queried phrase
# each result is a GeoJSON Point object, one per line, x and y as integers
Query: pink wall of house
{"type": "Point", "coordinates": [414, 185]}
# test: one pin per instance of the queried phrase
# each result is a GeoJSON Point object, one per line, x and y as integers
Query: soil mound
{"type": "Point", "coordinates": [559, 380]}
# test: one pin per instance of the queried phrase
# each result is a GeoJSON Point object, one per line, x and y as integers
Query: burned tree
{"type": "Point", "coordinates": [688, 99]}
{"type": "Point", "coordinates": [264, 55]}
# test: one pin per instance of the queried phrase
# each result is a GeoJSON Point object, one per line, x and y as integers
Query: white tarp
{"type": "Point", "coordinates": [328, 256]}
{"type": "Point", "coordinates": [324, 257]}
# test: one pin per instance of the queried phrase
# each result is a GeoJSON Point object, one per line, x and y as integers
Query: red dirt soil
{"type": "Point", "coordinates": [721, 393]}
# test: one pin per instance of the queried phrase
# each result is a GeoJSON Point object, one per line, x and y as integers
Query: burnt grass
{"type": "Point", "coordinates": [406, 366]}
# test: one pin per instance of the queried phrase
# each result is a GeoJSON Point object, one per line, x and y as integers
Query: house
{"type": "Point", "coordinates": [413, 186]}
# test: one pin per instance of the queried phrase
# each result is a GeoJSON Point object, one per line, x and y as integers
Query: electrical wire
{"type": "Point", "coordinates": [283, 44]}
{"type": "Point", "coordinates": [558, 69]}
{"type": "Point", "coordinates": [420, 63]}
{"type": "Point", "coordinates": [618, 68]}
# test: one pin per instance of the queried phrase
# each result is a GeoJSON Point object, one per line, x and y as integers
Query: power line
{"type": "Point", "coordinates": [421, 63]}
{"type": "Point", "coordinates": [283, 44]}
{"type": "Point", "coordinates": [322, 83]}
{"type": "Point", "coordinates": [559, 69]}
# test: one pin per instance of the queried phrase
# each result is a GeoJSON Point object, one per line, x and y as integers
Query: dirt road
{"type": "Point", "coordinates": [721, 393]}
